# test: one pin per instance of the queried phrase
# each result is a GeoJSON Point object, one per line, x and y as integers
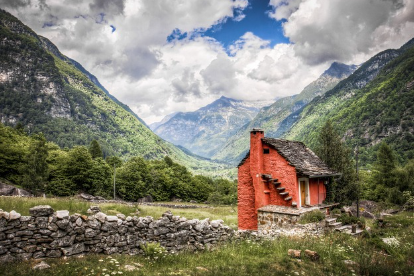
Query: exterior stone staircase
{"type": "Point", "coordinates": [267, 178]}
{"type": "Point", "coordinates": [331, 223]}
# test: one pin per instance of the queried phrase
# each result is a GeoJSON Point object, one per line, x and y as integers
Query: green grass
{"type": "Point", "coordinates": [245, 257]}
{"type": "Point", "coordinates": [22, 205]}
{"type": "Point", "coordinates": [368, 255]}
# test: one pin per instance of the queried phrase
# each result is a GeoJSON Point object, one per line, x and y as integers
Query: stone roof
{"type": "Point", "coordinates": [306, 162]}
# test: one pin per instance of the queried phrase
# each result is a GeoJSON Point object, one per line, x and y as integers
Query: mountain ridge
{"type": "Point", "coordinates": [48, 93]}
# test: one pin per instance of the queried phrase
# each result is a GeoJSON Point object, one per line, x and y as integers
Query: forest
{"type": "Point", "coordinates": [41, 166]}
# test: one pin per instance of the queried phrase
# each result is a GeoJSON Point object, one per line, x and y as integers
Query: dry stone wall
{"type": "Point", "coordinates": [46, 233]}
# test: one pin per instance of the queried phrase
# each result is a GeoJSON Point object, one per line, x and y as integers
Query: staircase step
{"type": "Point", "coordinates": [266, 191]}
{"type": "Point", "coordinates": [280, 189]}
{"type": "Point", "coordinates": [277, 183]}
{"type": "Point", "coordinates": [288, 198]}
{"type": "Point", "coordinates": [284, 193]}
{"type": "Point", "coordinates": [294, 204]}
{"type": "Point", "coordinates": [335, 224]}
{"type": "Point", "coordinates": [329, 220]}
{"type": "Point", "coordinates": [343, 228]}
{"type": "Point", "coordinates": [266, 176]}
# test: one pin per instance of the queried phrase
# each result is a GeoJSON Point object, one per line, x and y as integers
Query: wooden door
{"type": "Point", "coordinates": [303, 192]}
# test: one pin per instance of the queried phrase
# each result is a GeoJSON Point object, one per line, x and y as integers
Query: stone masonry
{"type": "Point", "coordinates": [46, 233]}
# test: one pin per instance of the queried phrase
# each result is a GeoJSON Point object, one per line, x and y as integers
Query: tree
{"type": "Point", "coordinates": [132, 179]}
{"type": "Point", "coordinates": [77, 168]}
{"type": "Point", "coordinates": [338, 157]}
{"type": "Point", "coordinates": [35, 171]}
{"type": "Point", "coordinates": [95, 149]}
{"type": "Point", "coordinates": [385, 165]}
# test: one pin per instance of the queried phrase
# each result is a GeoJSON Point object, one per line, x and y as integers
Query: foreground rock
{"type": "Point", "coordinates": [49, 234]}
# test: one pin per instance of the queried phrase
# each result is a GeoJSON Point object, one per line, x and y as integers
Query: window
{"type": "Point", "coordinates": [266, 151]}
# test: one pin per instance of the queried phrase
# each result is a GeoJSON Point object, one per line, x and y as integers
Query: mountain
{"type": "Point", "coordinates": [270, 118]}
{"type": "Point", "coordinates": [205, 130]}
{"type": "Point", "coordinates": [50, 93]}
{"type": "Point", "coordinates": [154, 126]}
{"type": "Point", "coordinates": [374, 104]}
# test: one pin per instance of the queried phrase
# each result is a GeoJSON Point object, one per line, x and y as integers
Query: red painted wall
{"type": "Point", "coordinates": [247, 214]}
{"type": "Point", "coordinates": [278, 167]}
{"type": "Point", "coordinates": [251, 187]}
{"type": "Point", "coordinates": [314, 191]}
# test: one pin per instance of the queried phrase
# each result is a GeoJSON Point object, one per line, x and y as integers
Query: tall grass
{"type": "Point", "coordinates": [22, 205]}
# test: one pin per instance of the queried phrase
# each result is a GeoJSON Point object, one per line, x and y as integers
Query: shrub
{"type": "Point", "coordinates": [153, 250]}
{"type": "Point", "coordinates": [312, 216]}
{"type": "Point", "coordinates": [346, 219]}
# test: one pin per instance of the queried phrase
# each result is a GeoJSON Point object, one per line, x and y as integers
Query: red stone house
{"type": "Point", "coordinates": [281, 173]}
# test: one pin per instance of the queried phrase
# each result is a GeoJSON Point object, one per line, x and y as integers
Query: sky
{"type": "Point", "coordinates": [164, 56]}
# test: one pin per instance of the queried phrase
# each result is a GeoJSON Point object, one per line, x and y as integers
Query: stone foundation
{"type": "Point", "coordinates": [54, 234]}
{"type": "Point", "coordinates": [273, 217]}
{"type": "Point", "coordinates": [271, 220]}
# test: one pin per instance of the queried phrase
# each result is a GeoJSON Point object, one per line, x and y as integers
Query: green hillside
{"type": "Point", "coordinates": [47, 92]}
{"type": "Point", "coordinates": [368, 108]}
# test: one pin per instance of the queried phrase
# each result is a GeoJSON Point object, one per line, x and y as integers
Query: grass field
{"type": "Point", "coordinates": [22, 205]}
{"type": "Point", "coordinates": [340, 254]}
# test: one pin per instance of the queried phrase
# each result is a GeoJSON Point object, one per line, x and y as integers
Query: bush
{"type": "Point", "coordinates": [153, 250]}
{"type": "Point", "coordinates": [346, 219]}
{"type": "Point", "coordinates": [312, 216]}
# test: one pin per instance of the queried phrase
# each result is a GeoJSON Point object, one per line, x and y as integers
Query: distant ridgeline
{"type": "Point", "coordinates": [47, 92]}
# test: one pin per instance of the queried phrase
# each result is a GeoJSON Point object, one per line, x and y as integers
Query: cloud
{"type": "Point", "coordinates": [219, 75]}
{"type": "Point", "coordinates": [347, 31]}
{"type": "Point", "coordinates": [145, 66]}
{"type": "Point", "coordinates": [113, 7]}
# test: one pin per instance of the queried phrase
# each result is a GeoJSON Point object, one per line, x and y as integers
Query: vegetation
{"type": "Point", "coordinates": [337, 156]}
{"type": "Point", "coordinates": [367, 108]}
{"type": "Point", "coordinates": [54, 95]}
{"type": "Point", "coordinates": [389, 182]}
{"type": "Point", "coordinates": [43, 167]}
{"type": "Point", "coordinates": [22, 205]}
{"type": "Point", "coordinates": [312, 216]}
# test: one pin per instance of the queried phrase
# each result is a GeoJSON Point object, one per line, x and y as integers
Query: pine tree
{"type": "Point", "coordinates": [36, 171]}
{"type": "Point", "coordinates": [338, 157]}
{"type": "Point", "coordinates": [95, 149]}
{"type": "Point", "coordinates": [384, 166]}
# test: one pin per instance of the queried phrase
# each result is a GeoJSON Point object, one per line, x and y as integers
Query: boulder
{"type": "Point", "coordinates": [313, 255]}
{"type": "Point", "coordinates": [10, 190]}
{"type": "Point", "coordinates": [294, 253]}
{"type": "Point", "coordinates": [42, 265]}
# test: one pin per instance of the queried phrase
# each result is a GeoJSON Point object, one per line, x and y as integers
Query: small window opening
{"type": "Point", "coordinates": [266, 151]}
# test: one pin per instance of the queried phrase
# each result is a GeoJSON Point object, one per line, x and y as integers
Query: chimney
{"type": "Point", "coordinates": [256, 167]}
{"type": "Point", "coordinates": [256, 151]}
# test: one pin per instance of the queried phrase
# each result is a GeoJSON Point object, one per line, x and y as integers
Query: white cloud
{"type": "Point", "coordinates": [155, 77]}
{"type": "Point", "coordinates": [347, 31]}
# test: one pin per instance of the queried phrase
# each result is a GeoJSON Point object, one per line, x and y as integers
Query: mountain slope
{"type": "Point", "coordinates": [273, 119]}
{"type": "Point", "coordinates": [46, 92]}
{"type": "Point", "coordinates": [206, 129]}
{"type": "Point", "coordinates": [376, 103]}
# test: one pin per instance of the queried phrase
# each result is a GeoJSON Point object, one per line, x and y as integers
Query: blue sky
{"type": "Point", "coordinates": [256, 20]}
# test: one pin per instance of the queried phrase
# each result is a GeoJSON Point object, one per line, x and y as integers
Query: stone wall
{"type": "Point", "coordinates": [273, 220]}
{"type": "Point", "coordinates": [46, 233]}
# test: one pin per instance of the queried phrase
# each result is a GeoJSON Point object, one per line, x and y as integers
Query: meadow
{"type": "Point", "coordinates": [388, 249]}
